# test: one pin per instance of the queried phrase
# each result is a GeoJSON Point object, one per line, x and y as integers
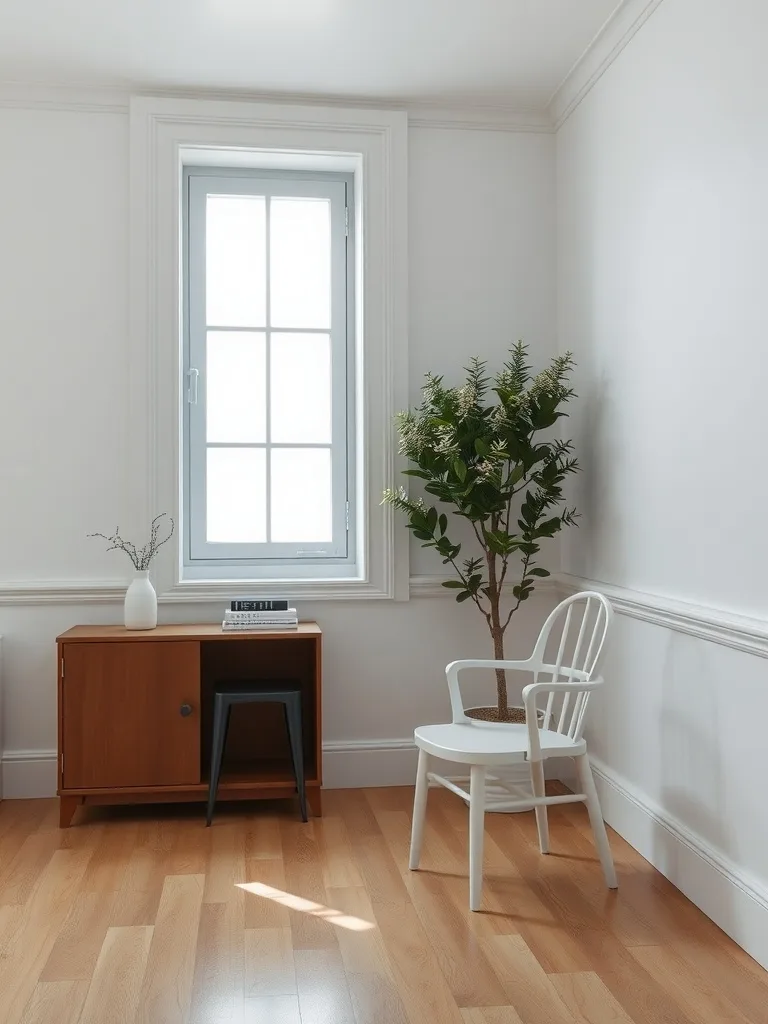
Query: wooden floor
{"type": "Point", "coordinates": [143, 915]}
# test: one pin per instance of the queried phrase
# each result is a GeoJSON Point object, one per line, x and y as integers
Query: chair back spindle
{"type": "Point", "coordinates": [576, 660]}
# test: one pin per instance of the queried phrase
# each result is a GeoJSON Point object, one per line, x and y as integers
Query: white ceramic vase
{"type": "Point", "coordinates": [141, 603]}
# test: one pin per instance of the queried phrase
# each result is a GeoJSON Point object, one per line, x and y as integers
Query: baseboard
{"type": "Point", "coordinates": [347, 764]}
{"type": "Point", "coordinates": [28, 774]}
{"type": "Point", "coordinates": [734, 900]}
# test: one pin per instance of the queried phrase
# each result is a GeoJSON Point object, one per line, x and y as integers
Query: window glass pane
{"type": "Point", "coordinates": [236, 496]}
{"type": "Point", "coordinates": [301, 495]}
{"type": "Point", "coordinates": [235, 387]}
{"type": "Point", "coordinates": [235, 261]}
{"type": "Point", "coordinates": [300, 270]}
{"type": "Point", "coordinates": [300, 372]}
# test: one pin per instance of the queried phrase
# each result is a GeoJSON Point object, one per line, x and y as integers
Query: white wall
{"type": "Point", "coordinates": [482, 274]}
{"type": "Point", "coordinates": [663, 248]}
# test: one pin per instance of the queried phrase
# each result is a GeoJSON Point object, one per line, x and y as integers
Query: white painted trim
{"type": "Point", "coordinates": [735, 900]}
{"type": "Point", "coordinates": [41, 592]}
{"type": "Point", "coordinates": [421, 113]}
{"type": "Point", "coordinates": [160, 129]}
{"type": "Point", "coordinates": [347, 764]}
{"type": "Point", "coordinates": [628, 18]}
{"type": "Point", "coordinates": [739, 632]}
{"type": "Point", "coordinates": [28, 774]}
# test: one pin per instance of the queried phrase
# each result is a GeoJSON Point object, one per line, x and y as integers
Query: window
{"type": "Point", "coordinates": [172, 141]}
{"type": "Point", "coordinates": [268, 438]}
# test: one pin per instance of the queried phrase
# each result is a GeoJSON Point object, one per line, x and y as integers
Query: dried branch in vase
{"type": "Point", "coordinates": [140, 557]}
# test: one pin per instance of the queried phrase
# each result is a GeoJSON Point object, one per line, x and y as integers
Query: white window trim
{"type": "Point", "coordinates": [164, 134]}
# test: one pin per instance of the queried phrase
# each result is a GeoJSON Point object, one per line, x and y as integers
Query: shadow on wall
{"type": "Point", "coordinates": [691, 758]}
{"type": "Point", "coordinates": [597, 541]}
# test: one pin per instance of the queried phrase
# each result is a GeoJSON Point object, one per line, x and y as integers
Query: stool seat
{"type": "Point", "coordinates": [226, 694]}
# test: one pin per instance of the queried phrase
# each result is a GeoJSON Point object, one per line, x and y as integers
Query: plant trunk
{"type": "Point", "coordinates": [501, 675]}
{"type": "Point", "coordinates": [494, 599]}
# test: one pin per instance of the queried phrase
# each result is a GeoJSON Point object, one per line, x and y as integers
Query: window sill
{"type": "Point", "coordinates": [349, 589]}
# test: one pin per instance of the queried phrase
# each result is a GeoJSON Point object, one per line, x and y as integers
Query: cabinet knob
{"type": "Point", "coordinates": [185, 710]}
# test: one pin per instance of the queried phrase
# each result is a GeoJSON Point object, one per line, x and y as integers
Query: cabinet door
{"type": "Point", "coordinates": [131, 714]}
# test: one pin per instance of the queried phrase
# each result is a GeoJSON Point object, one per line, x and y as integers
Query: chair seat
{"type": "Point", "coordinates": [491, 744]}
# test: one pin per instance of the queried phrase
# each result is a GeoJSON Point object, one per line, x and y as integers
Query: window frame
{"type": "Point", "coordinates": [165, 134]}
{"type": "Point", "coordinates": [264, 560]}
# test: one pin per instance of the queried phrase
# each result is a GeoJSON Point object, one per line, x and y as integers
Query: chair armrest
{"type": "Point", "coordinates": [452, 675]}
{"type": "Point", "coordinates": [531, 692]}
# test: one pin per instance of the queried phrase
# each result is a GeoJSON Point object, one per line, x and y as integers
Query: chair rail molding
{"type": "Point", "coordinates": [741, 632]}
{"type": "Point", "coordinates": [620, 28]}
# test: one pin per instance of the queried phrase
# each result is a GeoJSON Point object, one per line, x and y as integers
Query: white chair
{"type": "Point", "coordinates": [486, 745]}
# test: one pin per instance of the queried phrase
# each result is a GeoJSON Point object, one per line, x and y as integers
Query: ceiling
{"type": "Point", "coordinates": [511, 53]}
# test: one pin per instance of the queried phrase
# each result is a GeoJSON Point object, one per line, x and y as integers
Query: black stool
{"type": "Point", "coordinates": [285, 692]}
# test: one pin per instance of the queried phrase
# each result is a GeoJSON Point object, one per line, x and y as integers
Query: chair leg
{"type": "Point", "coordinates": [419, 809]}
{"type": "Point", "coordinates": [221, 713]}
{"type": "Point", "coordinates": [537, 784]}
{"type": "Point", "coordinates": [295, 738]}
{"type": "Point", "coordinates": [596, 820]}
{"type": "Point", "coordinates": [476, 834]}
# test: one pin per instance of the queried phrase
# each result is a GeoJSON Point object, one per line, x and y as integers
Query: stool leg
{"type": "Point", "coordinates": [221, 713]}
{"type": "Point", "coordinates": [295, 737]}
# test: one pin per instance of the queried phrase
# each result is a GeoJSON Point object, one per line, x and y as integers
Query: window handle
{"type": "Point", "coordinates": [194, 375]}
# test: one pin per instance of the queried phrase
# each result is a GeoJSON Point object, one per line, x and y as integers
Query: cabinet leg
{"type": "Point", "coordinates": [67, 807]}
{"type": "Point", "coordinates": [314, 796]}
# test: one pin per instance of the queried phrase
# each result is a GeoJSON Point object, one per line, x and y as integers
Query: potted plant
{"type": "Point", "coordinates": [491, 460]}
{"type": "Point", "coordinates": [140, 609]}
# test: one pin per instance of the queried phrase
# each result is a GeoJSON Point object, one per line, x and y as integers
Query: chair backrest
{"type": "Point", "coordinates": [576, 630]}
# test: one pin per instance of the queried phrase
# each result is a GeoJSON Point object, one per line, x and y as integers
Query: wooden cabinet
{"type": "Point", "coordinates": [135, 714]}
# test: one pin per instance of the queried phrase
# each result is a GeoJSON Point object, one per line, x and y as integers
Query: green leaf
{"type": "Point", "coordinates": [482, 447]}
{"type": "Point", "coordinates": [417, 472]}
{"type": "Point", "coordinates": [432, 519]}
{"type": "Point", "coordinates": [517, 474]}
{"type": "Point", "coordinates": [453, 584]}
{"type": "Point", "coordinates": [422, 534]}
{"type": "Point", "coordinates": [539, 572]}
{"type": "Point", "coordinates": [463, 597]}
{"type": "Point", "coordinates": [443, 523]}
{"type": "Point", "coordinates": [460, 469]}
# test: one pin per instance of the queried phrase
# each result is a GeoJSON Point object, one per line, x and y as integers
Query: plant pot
{"type": "Point", "coordinates": [140, 609]}
{"type": "Point", "coordinates": [490, 715]}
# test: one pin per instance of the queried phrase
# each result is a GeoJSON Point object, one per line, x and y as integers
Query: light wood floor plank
{"type": "Point", "coordinates": [37, 930]}
{"type": "Point", "coordinates": [588, 999]}
{"type": "Point", "coordinates": [226, 867]}
{"type": "Point", "coordinates": [272, 1010]}
{"type": "Point", "coordinates": [113, 996]}
{"type": "Point", "coordinates": [167, 990]}
{"type": "Point", "coordinates": [79, 942]}
{"type": "Point", "coordinates": [321, 982]}
{"type": "Point", "coordinates": [698, 995]}
{"type": "Point", "coordinates": [527, 986]}
{"type": "Point", "coordinates": [56, 1002]}
{"type": "Point", "coordinates": [270, 968]}
{"type": "Point", "coordinates": [372, 986]}
{"type": "Point", "coordinates": [219, 979]}
{"type": "Point", "coordinates": [491, 1015]}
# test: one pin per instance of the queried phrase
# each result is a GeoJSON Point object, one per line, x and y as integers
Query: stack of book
{"type": "Point", "coordinates": [259, 613]}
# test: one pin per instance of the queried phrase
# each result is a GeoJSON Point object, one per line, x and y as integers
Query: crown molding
{"type": "Point", "coordinates": [628, 18]}
{"type": "Point", "coordinates": [739, 632]}
{"type": "Point", "coordinates": [421, 113]}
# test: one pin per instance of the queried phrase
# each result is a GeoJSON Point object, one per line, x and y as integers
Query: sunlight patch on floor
{"type": "Point", "coordinates": [292, 902]}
